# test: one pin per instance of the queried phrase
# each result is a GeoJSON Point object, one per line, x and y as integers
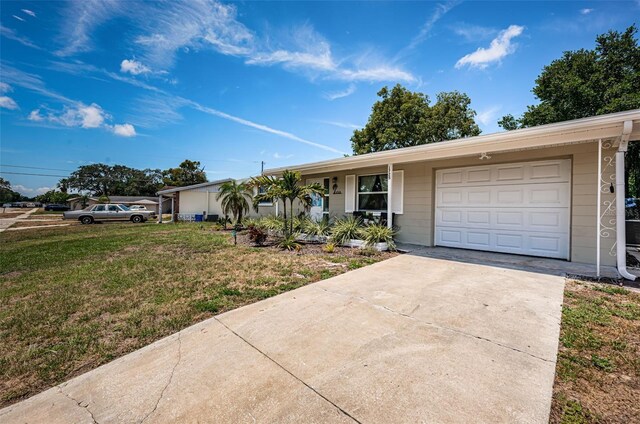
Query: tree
{"type": "Point", "coordinates": [53, 196]}
{"type": "Point", "coordinates": [286, 188]}
{"type": "Point", "coordinates": [235, 199]}
{"type": "Point", "coordinates": [117, 180]}
{"type": "Point", "coordinates": [188, 173]}
{"type": "Point", "coordinates": [7, 194]}
{"type": "Point", "coordinates": [585, 83]}
{"type": "Point", "coordinates": [404, 118]}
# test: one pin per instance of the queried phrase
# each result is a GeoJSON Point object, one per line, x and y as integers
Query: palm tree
{"type": "Point", "coordinates": [285, 188]}
{"type": "Point", "coordinates": [235, 199]}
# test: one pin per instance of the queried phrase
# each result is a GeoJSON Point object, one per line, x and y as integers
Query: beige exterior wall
{"type": "Point", "coordinates": [416, 223]}
{"type": "Point", "coordinates": [200, 200]}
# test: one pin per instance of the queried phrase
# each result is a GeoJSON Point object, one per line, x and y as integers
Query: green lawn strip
{"type": "Point", "coordinates": [598, 367]}
{"type": "Point", "coordinates": [74, 298]}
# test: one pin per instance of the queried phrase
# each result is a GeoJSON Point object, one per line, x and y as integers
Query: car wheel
{"type": "Point", "coordinates": [136, 219]}
{"type": "Point", "coordinates": [86, 220]}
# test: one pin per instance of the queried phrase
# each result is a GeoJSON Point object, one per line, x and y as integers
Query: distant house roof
{"type": "Point", "coordinates": [194, 186]}
{"type": "Point", "coordinates": [120, 199]}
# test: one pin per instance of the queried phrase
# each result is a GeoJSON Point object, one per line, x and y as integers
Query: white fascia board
{"type": "Point", "coordinates": [194, 186]}
{"type": "Point", "coordinates": [568, 132]}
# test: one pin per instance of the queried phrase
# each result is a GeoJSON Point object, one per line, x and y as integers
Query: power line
{"type": "Point", "coordinates": [34, 167]}
{"type": "Point", "coordinates": [36, 175]}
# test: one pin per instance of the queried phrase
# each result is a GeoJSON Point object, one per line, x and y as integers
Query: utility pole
{"type": "Point", "coordinates": [262, 167]}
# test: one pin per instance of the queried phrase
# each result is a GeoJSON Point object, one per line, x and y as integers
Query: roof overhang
{"type": "Point", "coordinates": [194, 186]}
{"type": "Point", "coordinates": [561, 133]}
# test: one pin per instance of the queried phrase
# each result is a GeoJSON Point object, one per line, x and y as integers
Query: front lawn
{"type": "Point", "coordinates": [73, 298]}
{"type": "Point", "coordinates": [598, 369]}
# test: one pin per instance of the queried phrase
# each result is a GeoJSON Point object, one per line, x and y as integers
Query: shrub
{"type": "Point", "coordinates": [377, 233]}
{"type": "Point", "coordinates": [290, 242]}
{"type": "Point", "coordinates": [257, 234]}
{"type": "Point", "coordinates": [329, 248]}
{"type": "Point", "coordinates": [367, 251]}
{"type": "Point", "coordinates": [319, 229]}
{"type": "Point", "coordinates": [273, 223]}
{"type": "Point", "coordinates": [249, 222]}
{"type": "Point", "coordinates": [346, 229]}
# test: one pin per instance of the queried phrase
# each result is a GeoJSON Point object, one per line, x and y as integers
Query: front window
{"type": "Point", "coordinates": [125, 207]}
{"type": "Point", "coordinates": [261, 190]}
{"type": "Point", "coordinates": [113, 208]}
{"type": "Point", "coordinates": [372, 192]}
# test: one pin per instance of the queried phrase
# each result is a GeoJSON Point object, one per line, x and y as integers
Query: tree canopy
{"type": "Point", "coordinates": [404, 118]}
{"type": "Point", "coordinates": [101, 179]}
{"type": "Point", "coordinates": [585, 83]}
{"type": "Point", "coordinates": [7, 194]}
{"type": "Point", "coordinates": [188, 173]}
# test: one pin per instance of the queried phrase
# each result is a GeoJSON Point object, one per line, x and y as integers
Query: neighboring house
{"type": "Point", "coordinates": [201, 199]}
{"type": "Point", "coordinates": [538, 191]}
{"type": "Point", "coordinates": [151, 203]}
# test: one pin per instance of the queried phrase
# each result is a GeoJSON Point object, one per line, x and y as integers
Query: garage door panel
{"type": "Point", "coordinates": [520, 208]}
{"type": "Point", "coordinates": [551, 171]}
{"type": "Point", "coordinates": [529, 195]}
{"type": "Point", "coordinates": [549, 245]}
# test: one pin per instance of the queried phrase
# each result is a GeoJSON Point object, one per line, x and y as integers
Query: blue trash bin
{"type": "Point", "coordinates": [198, 218]}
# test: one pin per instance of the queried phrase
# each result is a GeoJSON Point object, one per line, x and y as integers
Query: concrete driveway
{"type": "Point", "coordinates": [408, 340]}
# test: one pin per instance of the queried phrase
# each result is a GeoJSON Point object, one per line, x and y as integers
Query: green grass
{"type": "Point", "coordinates": [598, 362]}
{"type": "Point", "coordinates": [72, 298]}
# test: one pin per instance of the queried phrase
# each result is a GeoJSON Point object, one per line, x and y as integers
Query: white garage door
{"type": "Point", "coordinates": [520, 208]}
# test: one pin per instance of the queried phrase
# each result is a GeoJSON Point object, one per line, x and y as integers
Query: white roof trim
{"type": "Point", "coordinates": [567, 132]}
{"type": "Point", "coordinates": [207, 184]}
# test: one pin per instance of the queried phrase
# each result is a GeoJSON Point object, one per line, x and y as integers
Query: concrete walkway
{"type": "Point", "coordinates": [408, 340]}
{"type": "Point", "coordinates": [5, 223]}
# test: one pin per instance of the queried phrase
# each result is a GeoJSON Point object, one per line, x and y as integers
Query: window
{"type": "Point", "coordinates": [98, 208]}
{"type": "Point", "coordinates": [113, 208]}
{"type": "Point", "coordinates": [261, 190]}
{"type": "Point", "coordinates": [325, 204]}
{"type": "Point", "coordinates": [372, 192]}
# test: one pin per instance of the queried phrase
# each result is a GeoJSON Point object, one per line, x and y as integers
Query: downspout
{"type": "Point", "coordinates": [621, 239]}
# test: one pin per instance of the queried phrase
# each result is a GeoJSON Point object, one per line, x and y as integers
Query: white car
{"type": "Point", "coordinates": [138, 208]}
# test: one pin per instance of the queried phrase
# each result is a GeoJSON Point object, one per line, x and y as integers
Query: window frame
{"type": "Point", "coordinates": [326, 183]}
{"type": "Point", "coordinates": [358, 192]}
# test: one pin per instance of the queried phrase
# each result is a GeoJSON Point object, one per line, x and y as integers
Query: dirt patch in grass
{"type": "Point", "coordinates": [598, 369]}
{"type": "Point", "coordinates": [73, 298]}
{"type": "Point", "coordinates": [10, 215]}
{"type": "Point", "coordinates": [28, 223]}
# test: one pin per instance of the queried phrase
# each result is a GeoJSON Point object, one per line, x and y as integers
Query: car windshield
{"type": "Point", "coordinates": [124, 208]}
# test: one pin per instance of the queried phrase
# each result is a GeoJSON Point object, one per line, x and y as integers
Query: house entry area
{"type": "Point", "coordinates": [521, 208]}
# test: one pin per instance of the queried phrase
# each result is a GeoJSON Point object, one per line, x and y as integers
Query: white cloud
{"type": "Point", "coordinates": [82, 18]}
{"type": "Point", "coordinates": [29, 12]}
{"type": "Point", "coordinates": [488, 116]}
{"type": "Point", "coordinates": [35, 116]}
{"type": "Point", "coordinates": [8, 103]}
{"type": "Point", "coordinates": [18, 18]}
{"type": "Point", "coordinates": [586, 11]}
{"type": "Point", "coordinates": [340, 94]}
{"type": "Point", "coordinates": [343, 125]}
{"type": "Point", "coordinates": [376, 74]}
{"type": "Point", "coordinates": [440, 10]}
{"type": "Point", "coordinates": [11, 35]}
{"type": "Point", "coordinates": [82, 116]}
{"type": "Point", "coordinates": [5, 88]}
{"type": "Point", "coordinates": [167, 28]}
{"type": "Point", "coordinates": [28, 191]}
{"type": "Point", "coordinates": [124, 130]}
{"type": "Point", "coordinates": [133, 67]}
{"type": "Point", "coordinates": [473, 33]}
{"type": "Point", "coordinates": [500, 47]}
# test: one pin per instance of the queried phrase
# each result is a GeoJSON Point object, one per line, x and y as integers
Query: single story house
{"type": "Point", "coordinates": [149, 202]}
{"type": "Point", "coordinates": [201, 199]}
{"type": "Point", "coordinates": [553, 191]}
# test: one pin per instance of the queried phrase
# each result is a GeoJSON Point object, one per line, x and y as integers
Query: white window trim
{"type": "Point", "coordinates": [358, 192]}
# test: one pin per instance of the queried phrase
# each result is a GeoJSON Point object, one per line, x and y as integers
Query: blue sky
{"type": "Point", "coordinates": [232, 84]}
